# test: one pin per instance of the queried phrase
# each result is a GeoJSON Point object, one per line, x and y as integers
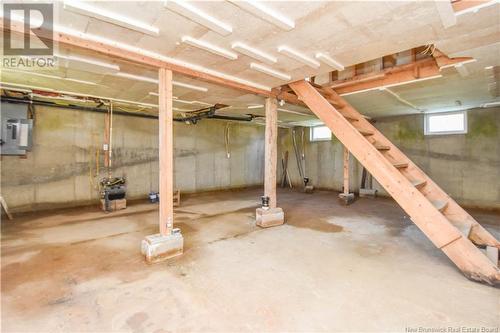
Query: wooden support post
{"type": "Point", "coordinates": [346, 197]}
{"type": "Point", "coordinates": [271, 154]}
{"type": "Point", "coordinates": [346, 171]}
{"type": "Point", "coordinates": [270, 216]}
{"type": "Point", "coordinates": [165, 147]}
{"type": "Point", "coordinates": [169, 242]}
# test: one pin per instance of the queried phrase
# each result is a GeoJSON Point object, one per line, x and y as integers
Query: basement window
{"type": "Point", "coordinates": [320, 133]}
{"type": "Point", "coordinates": [446, 123]}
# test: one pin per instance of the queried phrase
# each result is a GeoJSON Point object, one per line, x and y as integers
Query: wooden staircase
{"type": "Point", "coordinates": [438, 216]}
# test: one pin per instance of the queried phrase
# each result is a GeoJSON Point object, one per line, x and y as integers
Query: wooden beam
{"type": "Point", "coordinates": [346, 171]}
{"type": "Point", "coordinates": [271, 151]}
{"type": "Point", "coordinates": [461, 5]}
{"type": "Point", "coordinates": [127, 55]}
{"type": "Point", "coordinates": [166, 151]}
{"type": "Point", "coordinates": [415, 70]}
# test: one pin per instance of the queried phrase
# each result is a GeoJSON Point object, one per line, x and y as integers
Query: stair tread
{"type": "Point", "coordinates": [418, 182]}
{"type": "Point", "coordinates": [382, 147]}
{"type": "Point", "coordinates": [365, 132]}
{"type": "Point", "coordinates": [439, 204]}
{"type": "Point", "coordinates": [349, 117]}
{"type": "Point", "coordinates": [400, 164]}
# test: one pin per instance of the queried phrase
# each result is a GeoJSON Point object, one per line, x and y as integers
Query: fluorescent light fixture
{"type": "Point", "coordinates": [381, 88]}
{"type": "Point", "coordinates": [209, 47]}
{"type": "Point", "coordinates": [136, 77]}
{"type": "Point", "coordinates": [110, 17]}
{"type": "Point", "coordinates": [475, 9]}
{"type": "Point", "coordinates": [270, 71]}
{"type": "Point", "coordinates": [90, 61]}
{"type": "Point", "coordinates": [490, 104]}
{"type": "Point", "coordinates": [178, 100]}
{"type": "Point", "coordinates": [254, 53]}
{"type": "Point", "coordinates": [195, 14]}
{"type": "Point", "coordinates": [80, 81]}
{"type": "Point", "coordinates": [50, 76]}
{"type": "Point", "coordinates": [189, 86]}
{"type": "Point", "coordinates": [141, 51]}
{"type": "Point", "coordinates": [458, 64]}
{"type": "Point", "coordinates": [462, 70]}
{"type": "Point", "coordinates": [16, 89]}
{"type": "Point", "coordinates": [257, 106]}
{"type": "Point", "coordinates": [258, 9]}
{"type": "Point", "coordinates": [294, 112]}
{"type": "Point", "coordinates": [25, 86]}
{"type": "Point", "coordinates": [488, 67]}
{"type": "Point", "coordinates": [329, 61]}
{"type": "Point", "coordinates": [155, 81]}
{"type": "Point", "coordinates": [298, 56]}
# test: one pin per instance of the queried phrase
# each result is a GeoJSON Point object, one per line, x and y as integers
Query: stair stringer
{"type": "Point", "coordinates": [473, 263]}
{"type": "Point", "coordinates": [453, 211]}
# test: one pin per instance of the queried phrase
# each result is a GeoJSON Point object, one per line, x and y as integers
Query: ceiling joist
{"type": "Point", "coordinates": [127, 55]}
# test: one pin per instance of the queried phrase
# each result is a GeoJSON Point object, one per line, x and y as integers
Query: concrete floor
{"type": "Point", "coordinates": [330, 268]}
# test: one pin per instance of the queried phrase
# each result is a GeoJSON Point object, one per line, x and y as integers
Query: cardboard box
{"type": "Point", "coordinates": [114, 205]}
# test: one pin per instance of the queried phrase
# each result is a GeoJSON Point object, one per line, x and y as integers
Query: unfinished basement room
{"type": "Point", "coordinates": [250, 166]}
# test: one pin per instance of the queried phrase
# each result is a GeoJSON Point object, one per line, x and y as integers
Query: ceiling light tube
{"type": "Point", "coordinates": [258, 106]}
{"type": "Point", "coordinates": [329, 61]}
{"type": "Point", "coordinates": [136, 77]}
{"type": "Point", "coordinates": [50, 76]}
{"type": "Point", "coordinates": [144, 52]}
{"type": "Point", "coordinates": [270, 71]}
{"type": "Point", "coordinates": [94, 62]}
{"type": "Point", "coordinates": [258, 9]}
{"type": "Point", "coordinates": [209, 47]}
{"type": "Point", "coordinates": [189, 86]}
{"type": "Point", "coordinates": [490, 104]}
{"type": "Point", "coordinates": [25, 86]}
{"type": "Point", "coordinates": [110, 17]}
{"type": "Point", "coordinates": [298, 56]}
{"type": "Point", "coordinates": [254, 53]}
{"type": "Point", "coordinates": [294, 112]}
{"type": "Point", "coordinates": [196, 15]}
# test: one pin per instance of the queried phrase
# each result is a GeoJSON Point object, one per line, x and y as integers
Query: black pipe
{"type": "Point", "coordinates": [194, 119]}
{"type": "Point", "coordinates": [15, 100]}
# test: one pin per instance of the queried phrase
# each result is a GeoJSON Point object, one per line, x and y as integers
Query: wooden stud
{"type": "Point", "coordinates": [166, 150]}
{"type": "Point", "coordinates": [271, 151]}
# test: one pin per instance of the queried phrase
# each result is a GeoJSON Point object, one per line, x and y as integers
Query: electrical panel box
{"type": "Point", "coordinates": [16, 129]}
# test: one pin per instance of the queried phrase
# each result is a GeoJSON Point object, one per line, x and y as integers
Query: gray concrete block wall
{"type": "Point", "coordinates": [60, 171]}
{"type": "Point", "coordinates": [466, 166]}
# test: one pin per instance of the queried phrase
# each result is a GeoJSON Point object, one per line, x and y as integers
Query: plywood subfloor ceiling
{"type": "Point", "coordinates": [350, 32]}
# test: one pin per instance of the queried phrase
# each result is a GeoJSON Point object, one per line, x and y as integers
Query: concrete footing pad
{"type": "Point", "coordinates": [157, 248]}
{"type": "Point", "coordinates": [265, 218]}
{"type": "Point", "coordinates": [346, 199]}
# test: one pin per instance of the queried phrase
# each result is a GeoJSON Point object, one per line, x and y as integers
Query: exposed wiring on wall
{"type": "Point", "coordinates": [226, 140]}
